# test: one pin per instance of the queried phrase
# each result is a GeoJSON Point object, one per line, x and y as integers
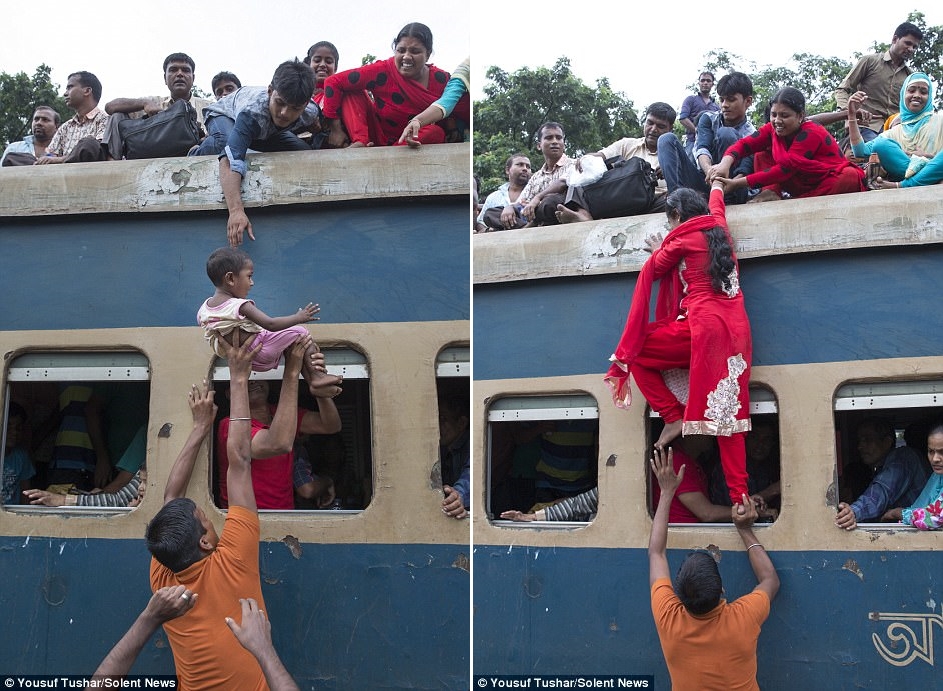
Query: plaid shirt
{"type": "Point", "coordinates": [76, 128]}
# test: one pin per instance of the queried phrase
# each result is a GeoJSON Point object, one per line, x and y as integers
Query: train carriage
{"type": "Point", "coordinates": [842, 294]}
{"type": "Point", "coordinates": [102, 270]}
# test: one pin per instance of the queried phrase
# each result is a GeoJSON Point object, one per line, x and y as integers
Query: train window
{"type": "Point", "coordinates": [74, 422]}
{"type": "Point", "coordinates": [543, 460]}
{"type": "Point", "coordinates": [707, 499]}
{"type": "Point", "coordinates": [453, 392]}
{"type": "Point", "coordinates": [876, 419]}
{"type": "Point", "coordinates": [328, 471]}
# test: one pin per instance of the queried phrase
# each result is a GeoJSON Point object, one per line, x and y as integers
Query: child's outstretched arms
{"type": "Point", "coordinates": [303, 315]}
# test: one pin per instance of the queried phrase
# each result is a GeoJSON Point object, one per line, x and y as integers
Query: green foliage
{"type": "Point", "coordinates": [815, 76]}
{"type": "Point", "coordinates": [367, 59]}
{"type": "Point", "coordinates": [19, 96]}
{"type": "Point", "coordinates": [515, 105]}
{"type": "Point", "coordinates": [199, 93]}
{"type": "Point", "coordinates": [929, 56]}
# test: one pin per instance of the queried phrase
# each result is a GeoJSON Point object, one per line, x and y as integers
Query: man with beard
{"type": "Point", "coordinates": [179, 70]}
{"type": "Point", "coordinates": [498, 211]}
{"type": "Point", "coordinates": [659, 119]}
{"type": "Point", "coordinates": [24, 153]}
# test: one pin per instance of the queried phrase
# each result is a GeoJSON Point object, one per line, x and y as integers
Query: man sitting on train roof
{"type": "Point", "coordinates": [33, 146]}
{"type": "Point", "coordinates": [897, 475]}
{"type": "Point", "coordinates": [221, 568]}
{"type": "Point", "coordinates": [78, 139]}
{"type": "Point", "coordinates": [179, 70]}
{"type": "Point", "coordinates": [708, 643]}
{"type": "Point", "coordinates": [263, 118]}
{"type": "Point", "coordinates": [659, 119]}
{"type": "Point", "coordinates": [545, 190]}
{"type": "Point", "coordinates": [499, 211]}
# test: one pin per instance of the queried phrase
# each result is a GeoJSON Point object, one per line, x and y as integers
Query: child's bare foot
{"type": "Point", "coordinates": [329, 388]}
{"type": "Point", "coordinates": [671, 432]}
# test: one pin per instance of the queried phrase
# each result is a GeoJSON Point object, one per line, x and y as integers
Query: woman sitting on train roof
{"type": "Point", "coordinates": [442, 108]}
{"type": "Point", "coordinates": [402, 86]}
{"type": "Point", "coordinates": [701, 324]}
{"type": "Point", "coordinates": [908, 152]}
{"type": "Point", "coordinates": [807, 161]}
{"type": "Point", "coordinates": [926, 513]}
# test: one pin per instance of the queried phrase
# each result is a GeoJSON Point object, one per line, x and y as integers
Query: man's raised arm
{"type": "Point", "coordinates": [663, 465]}
{"type": "Point", "coordinates": [743, 517]}
{"type": "Point", "coordinates": [204, 412]}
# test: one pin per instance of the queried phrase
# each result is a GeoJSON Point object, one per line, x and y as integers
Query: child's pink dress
{"type": "Point", "coordinates": [223, 319]}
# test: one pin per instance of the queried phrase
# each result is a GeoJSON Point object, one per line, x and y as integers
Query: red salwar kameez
{"type": "Point", "coordinates": [696, 328]}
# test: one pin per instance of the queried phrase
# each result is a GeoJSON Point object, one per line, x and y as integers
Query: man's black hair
{"type": "Point", "coordinates": [173, 535]}
{"type": "Point", "coordinates": [734, 83]}
{"type": "Point", "coordinates": [89, 80]}
{"type": "Point", "coordinates": [179, 57]}
{"type": "Point", "coordinates": [662, 111]}
{"type": "Point", "coordinates": [908, 29]}
{"type": "Point", "coordinates": [698, 584]}
{"type": "Point", "coordinates": [294, 82]}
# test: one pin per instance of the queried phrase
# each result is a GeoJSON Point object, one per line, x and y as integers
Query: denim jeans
{"type": "Point", "coordinates": [680, 171]}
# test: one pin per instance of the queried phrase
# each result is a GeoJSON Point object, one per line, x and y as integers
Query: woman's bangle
{"type": "Point", "coordinates": [755, 544]}
{"type": "Point", "coordinates": [237, 419]}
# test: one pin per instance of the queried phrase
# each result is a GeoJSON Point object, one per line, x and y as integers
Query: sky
{"type": "Point", "coordinates": [651, 56]}
{"type": "Point", "coordinates": [247, 37]}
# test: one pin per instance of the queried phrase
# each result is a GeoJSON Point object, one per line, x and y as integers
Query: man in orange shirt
{"type": "Point", "coordinates": [708, 643]}
{"type": "Point", "coordinates": [221, 569]}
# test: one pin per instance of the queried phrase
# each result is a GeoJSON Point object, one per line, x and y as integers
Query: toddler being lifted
{"type": "Point", "coordinates": [229, 309]}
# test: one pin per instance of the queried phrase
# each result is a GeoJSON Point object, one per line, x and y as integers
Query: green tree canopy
{"type": "Point", "coordinates": [516, 105]}
{"type": "Point", "coordinates": [19, 96]}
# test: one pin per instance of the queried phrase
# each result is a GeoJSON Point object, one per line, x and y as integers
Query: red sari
{"type": "Point", "coordinates": [395, 101]}
{"type": "Point", "coordinates": [695, 328]}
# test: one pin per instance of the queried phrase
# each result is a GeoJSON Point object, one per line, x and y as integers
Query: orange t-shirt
{"type": "Point", "coordinates": [206, 653]}
{"type": "Point", "coordinates": [716, 650]}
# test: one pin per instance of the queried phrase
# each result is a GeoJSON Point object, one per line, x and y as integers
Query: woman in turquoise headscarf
{"type": "Point", "coordinates": [908, 152]}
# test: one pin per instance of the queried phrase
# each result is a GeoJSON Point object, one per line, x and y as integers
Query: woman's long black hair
{"type": "Point", "coordinates": [688, 203]}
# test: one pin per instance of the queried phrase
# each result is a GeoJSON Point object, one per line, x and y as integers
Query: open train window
{"type": "Point", "coordinates": [703, 496]}
{"type": "Point", "coordinates": [73, 422]}
{"type": "Point", "coordinates": [453, 393]}
{"type": "Point", "coordinates": [328, 471]}
{"type": "Point", "coordinates": [875, 419]}
{"type": "Point", "coordinates": [542, 460]}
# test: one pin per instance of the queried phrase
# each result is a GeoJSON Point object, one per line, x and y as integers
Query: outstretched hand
{"type": "Point", "coordinates": [663, 466]}
{"type": "Point", "coordinates": [744, 514]}
{"type": "Point", "coordinates": [255, 631]}
{"type": "Point", "coordinates": [237, 225]}
{"type": "Point", "coordinates": [306, 313]}
{"type": "Point", "coordinates": [170, 602]}
{"type": "Point", "coordinates": [202, 406]}
{"type": "Point", "coordinates": [239, 355]}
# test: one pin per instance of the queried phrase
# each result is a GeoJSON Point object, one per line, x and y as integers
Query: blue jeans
{"type": "Point", "coordinates": [219, 127]}
{"type": "Point", "coordinates": [680, 171]}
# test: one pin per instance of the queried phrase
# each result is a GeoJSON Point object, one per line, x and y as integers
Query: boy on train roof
{"type": "Point", "coordinates": [261, 118]}
{"type": "Point", "coordinates": [229, 309]}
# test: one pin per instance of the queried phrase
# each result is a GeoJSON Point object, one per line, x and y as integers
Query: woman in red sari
{"type": "Point", "coordinates": [402, 87]}
{"type": "Point", "coordinates": [700, 324]}
{"type": "Point", "coordinates": [806, 159]}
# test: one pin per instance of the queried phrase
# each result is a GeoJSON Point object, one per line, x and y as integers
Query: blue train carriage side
{"type": "Point", "coordinates": [103, 268]}
{"type": "Point", "coordinates": [842, 294]}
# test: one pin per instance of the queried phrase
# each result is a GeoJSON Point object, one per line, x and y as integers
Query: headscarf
{"type": "Point", "coordinates": [921, 131]}
{"type": "Point", "coordinates": [911, 122]}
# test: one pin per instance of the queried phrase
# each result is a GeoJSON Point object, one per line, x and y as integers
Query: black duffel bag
{"type": "Point", "coordinates": [171, 132]}
{"type": "Point", "coordinates": [626, 189]}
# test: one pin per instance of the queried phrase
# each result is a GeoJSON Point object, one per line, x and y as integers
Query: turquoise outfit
{"type": "Point", "coordinates": [927, 510]}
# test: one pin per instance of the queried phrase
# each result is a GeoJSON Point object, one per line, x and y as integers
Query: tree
{"type": "Point", "coordinates": [515, 105]}
{"type": "Point", "coordinates": [928, 57]}
{"type": "Point", "coordinates": [815, 76]}
{"type": "Point", "coordinates": [19, 96]}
